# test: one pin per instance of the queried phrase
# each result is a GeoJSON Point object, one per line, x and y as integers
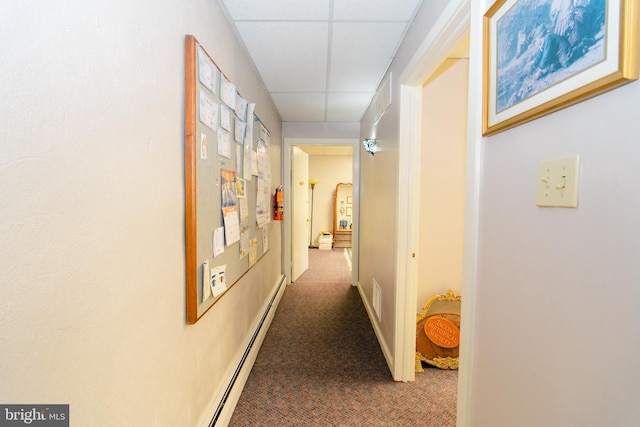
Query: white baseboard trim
{"type": "Point", "coordinates": [224, 404]}
{"type": "Point", "coordinates": [373, 318]}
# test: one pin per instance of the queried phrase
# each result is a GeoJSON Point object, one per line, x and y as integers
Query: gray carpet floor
{"type": "Point", "coordinates": [321, 364]}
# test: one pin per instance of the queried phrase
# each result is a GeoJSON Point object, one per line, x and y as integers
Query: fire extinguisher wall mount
{"type": "Point", "coordinates": [278, 204]}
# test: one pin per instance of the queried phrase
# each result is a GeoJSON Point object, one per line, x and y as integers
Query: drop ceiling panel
{"type": "Point", "coordinates": [361, 53]}
{"type": "Point", "coordinates": [347, 106]}
{"type": "Point", "coordinates": [291, 56]}
{"type": "Point", "coordinates": [321, 60]}
{"type": "Point", "coordinates": [374, 10]}
{"type": "Point", "coordinates": [283, 10]}
{"type": "Point", "coordinates": [300, 107]}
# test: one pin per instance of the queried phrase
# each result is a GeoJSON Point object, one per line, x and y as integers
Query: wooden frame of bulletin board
{"type": "Point", "coordinates": [227, 183]}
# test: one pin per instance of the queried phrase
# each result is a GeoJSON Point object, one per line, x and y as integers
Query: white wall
{"type": "Point", "coordinates": [442, 181]}
{"type": "Point", "coordinates": [329, 170]}
{"type": "Point", "coordinates": [92, 233]}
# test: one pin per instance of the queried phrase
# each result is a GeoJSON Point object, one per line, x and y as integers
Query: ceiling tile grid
{"type": "Point", "coordinates": [346, 106]}
{"type": "Point", "coordinates": [278, 10]}
{"type": "Point", "coordinates": [300, 106]}
{"type": "Point", "coordinates": [321, 60]}
{"type": "Point", "coordinates": [361, 53]}
{"type": "Point", "coordinates": [374, 10]}
{"type": "Point", "coordinates": [290, 56]}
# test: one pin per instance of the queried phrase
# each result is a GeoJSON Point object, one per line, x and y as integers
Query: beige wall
{"type": "Point", "coordinates": [442, 181]}
{"type": "Point", "coordinates": [92, 270]}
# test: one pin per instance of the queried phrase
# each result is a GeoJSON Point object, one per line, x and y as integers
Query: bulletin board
{"type": "Point", "coordinates": [227, 182]}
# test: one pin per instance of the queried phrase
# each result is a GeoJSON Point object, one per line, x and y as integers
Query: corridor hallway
{"type": "Point", "coordinates": [321, 365]}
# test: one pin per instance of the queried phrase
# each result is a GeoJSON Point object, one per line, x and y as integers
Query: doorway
{"type": "Point", "coordinates": [451, 29]}
{"type": "Point", "coordinates": [325, 155]}
{"type": "Point", "coordinates": [442, 181]}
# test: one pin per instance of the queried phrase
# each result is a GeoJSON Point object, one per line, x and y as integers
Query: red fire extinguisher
{"type": "Point", "coordinates": [278, 204]}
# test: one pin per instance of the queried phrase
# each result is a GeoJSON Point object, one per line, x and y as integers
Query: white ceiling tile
{"type": "Point", "coordinates": [288, 41]}
{"type": "Point", "coordinates": [300, 107]}
{"type": "Point", "coordinates": [283, 10]}
{"type": "Point", "coordinates": [374, 10]}
{"type": "Point", "coordinates": [347, 106]}
{"type": "Point", "coordinates": [290, 56]}
{"type": "Point", "coordinates": [361, 53]}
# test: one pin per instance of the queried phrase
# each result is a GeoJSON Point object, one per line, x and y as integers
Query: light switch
{"type": "Point", "coordinates": [558, 183]}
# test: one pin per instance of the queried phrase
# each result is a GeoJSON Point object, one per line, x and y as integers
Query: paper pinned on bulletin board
{"type": "Point", "coordinates": [206, 289]}
{"type": "Point", "coordinates": [218, 241]}
{"type": "Point", "coordinates": [244, 241]}
{"type": "Point", "coordinates": [218, 280]}
{"type": "Point", "coordinates": [253, 251]}
{"type": "Point", "coordinates": [265, 239]}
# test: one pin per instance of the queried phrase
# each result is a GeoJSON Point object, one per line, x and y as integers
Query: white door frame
{"type": "Point", "coordinates": [452, 26]}
{"type": "Point", "coordinates": [286, 170]}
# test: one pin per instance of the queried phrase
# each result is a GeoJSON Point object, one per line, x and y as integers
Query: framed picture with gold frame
{"type": "Point", "coordinates": [438, 332]}
{"type": "Point", "coordinates": [540, 56]}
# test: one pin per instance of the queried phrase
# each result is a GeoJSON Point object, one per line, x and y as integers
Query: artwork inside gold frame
{"type": "Point", "coordinates": [438, 332]}
{"type": "Point", "coordinates": [540, 56]}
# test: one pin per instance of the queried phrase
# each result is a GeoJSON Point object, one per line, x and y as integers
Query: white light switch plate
{"type": "Point", "coordinates": [558, 183]}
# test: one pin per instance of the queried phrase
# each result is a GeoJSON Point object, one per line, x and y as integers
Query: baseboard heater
{"type": "Point", "coordinates": [225, 396]}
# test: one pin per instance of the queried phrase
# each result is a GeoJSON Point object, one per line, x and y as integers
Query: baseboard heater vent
{"type": "Point", "coordinates": [225, 396]}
